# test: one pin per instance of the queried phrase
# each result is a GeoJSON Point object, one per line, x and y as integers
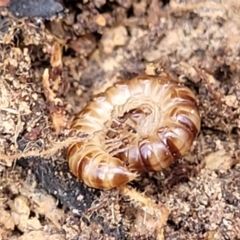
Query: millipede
{"type": "Point", "coordinates": [138, 125]}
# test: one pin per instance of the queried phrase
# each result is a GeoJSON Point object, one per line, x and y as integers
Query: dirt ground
{"type": "Point", "coordinates": [55, 56]}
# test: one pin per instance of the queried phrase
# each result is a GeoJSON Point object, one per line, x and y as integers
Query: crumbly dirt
{"type": "Point", "coordinates": [54, 60]}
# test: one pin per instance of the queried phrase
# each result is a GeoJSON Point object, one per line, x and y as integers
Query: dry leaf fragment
{"type": "Point", "coordinates": [6, 220]}
{"type": "Point", "coordinates": [53, 85]}
{"type": "Point", "coordinates": [44, 204]}
{"type": "Point", "coordinates": [231, 101]}
{"type": "Point", "coordinates": [219, 160]}
{"type": "Point", "coordinates": [56, 57]}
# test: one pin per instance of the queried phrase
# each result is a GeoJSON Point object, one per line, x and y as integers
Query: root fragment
{"type": "Point", "coordinates": [159, 211]}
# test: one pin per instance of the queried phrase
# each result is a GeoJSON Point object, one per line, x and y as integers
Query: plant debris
{"type": "Point", "coordinates": [51, 66]}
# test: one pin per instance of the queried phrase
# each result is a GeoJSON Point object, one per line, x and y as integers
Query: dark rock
{"type": "Point", "coordinates": [32, 8]}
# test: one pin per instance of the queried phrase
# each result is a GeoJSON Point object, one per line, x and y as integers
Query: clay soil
{"type": "Point", "coordinates": [55, 56]}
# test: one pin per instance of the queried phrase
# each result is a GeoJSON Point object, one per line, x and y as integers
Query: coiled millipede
{"type": "Point", "coordinates": [139, 125]}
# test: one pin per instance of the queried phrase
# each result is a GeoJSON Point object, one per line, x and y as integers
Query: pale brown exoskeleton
{"type": "Point", "coordinates": [139, 125]}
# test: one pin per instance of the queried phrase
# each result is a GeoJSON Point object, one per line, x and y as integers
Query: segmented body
{"type": "Point", "coordinates": [139, 125]}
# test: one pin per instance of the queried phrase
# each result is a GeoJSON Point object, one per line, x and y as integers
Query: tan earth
{"type": "Point", "coordinates": [52, 66]}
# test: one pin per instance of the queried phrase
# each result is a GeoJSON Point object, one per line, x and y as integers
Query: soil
{"type": "Point", "coordinates": [55, 56]}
